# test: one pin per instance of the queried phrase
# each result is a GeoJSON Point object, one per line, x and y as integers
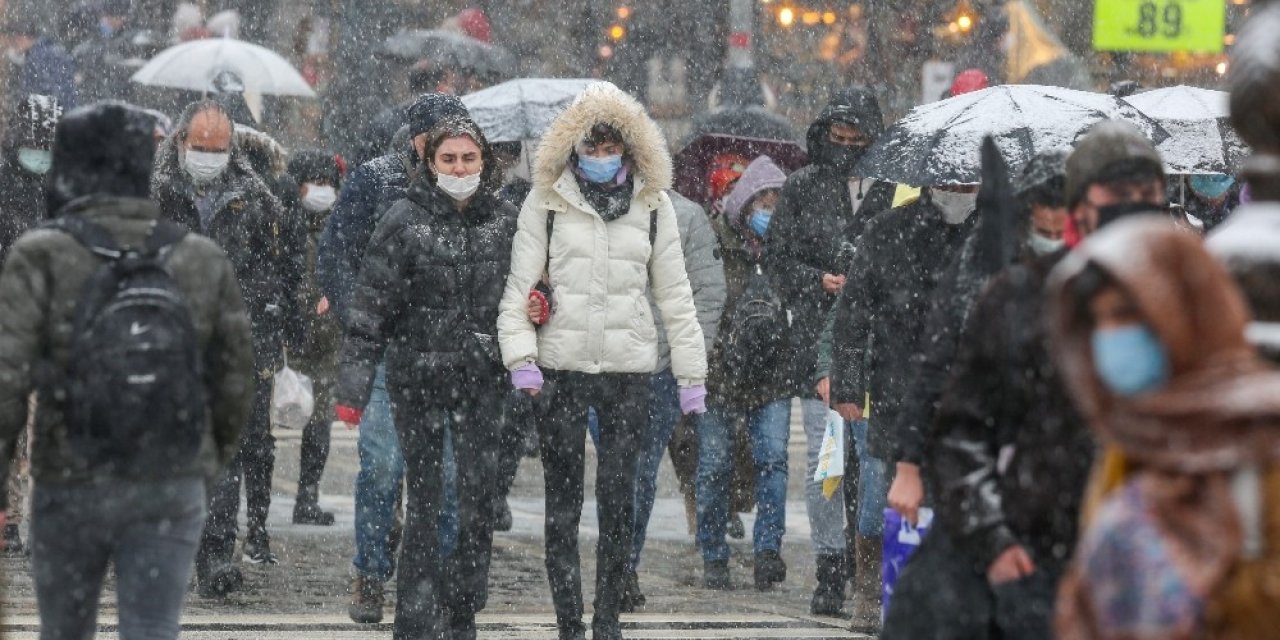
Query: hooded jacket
{"type": "Point", "coordinates": [600, 271]}
{"type": "Point", "coordinates": [22, 204]}
{"type": "Point", "coordinates": [247, 221]}
{"type": "Point", "coordinates": [1218, 413]}
{"type": "Point", "coordinates": [815, 221]}
{"type": "Point", "coordinates": [428, 291]}
{"type": "Point", "coordinates": [899, 265]}
{"type": "Point", "coordinates": [102, 167]}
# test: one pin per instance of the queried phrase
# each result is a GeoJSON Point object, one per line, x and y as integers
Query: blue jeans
{"type": "Point", "coordinates": [664, 413]}
{"type": "Point", "coordinates": [378, 487]}
{"type": "Point", "coordinates": [873, 494]}
{"type": "Point", "coordinates": [770, 427]}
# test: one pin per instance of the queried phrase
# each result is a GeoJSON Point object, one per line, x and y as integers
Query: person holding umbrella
{"type": "Point", "coordinates": [599, 225]}
{"type": "Point", "coordinates": [427, 298]}
{"type": "Point", "coordinates": [822, 208]}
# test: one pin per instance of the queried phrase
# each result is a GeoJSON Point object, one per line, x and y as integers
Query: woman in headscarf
{"type": "Point", "coordinates": [1182, 519]}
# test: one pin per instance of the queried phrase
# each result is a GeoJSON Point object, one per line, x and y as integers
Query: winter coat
{"type": "Point", "coordinates": [600, 270]}
{"type": "Point", "coordinates": [48, 70]}
{"type": "Point", "coordinates": [248, 222]}
{"type": "Point", "coordinates": [1004, 397]}
{"type": "Point", "coordinates": [40, 286]}
{"type": "Point", "coordinates": [1246, 244]}
{"type": "Point", "coordinates": [1177, 452]}
{"type": "Point", "coordinates": [319, 337]}
{"type": "Point", "coordinates": [700, 248]}
{"type": "Point", "coordinates": [897, 266]}
{"type": "Point", "coordinates": [22, 203]}
{"type": "Point", "coordinates": [811, 227]}
{"type": "Point", "coordinates": [366, 195]}
{"type": "Point", "coordinates": [428, 294]}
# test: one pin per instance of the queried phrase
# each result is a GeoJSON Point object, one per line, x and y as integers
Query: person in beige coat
{"type": "Point", "coordinates": [599, 226]}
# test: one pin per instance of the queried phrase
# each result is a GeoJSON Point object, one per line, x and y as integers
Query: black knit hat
{"type": "Point", "coordinates": [430, 108]}
{"type": "Point", "coordinates": [314, 165]}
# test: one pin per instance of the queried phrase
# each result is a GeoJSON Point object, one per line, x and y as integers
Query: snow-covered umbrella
{"type": "Point", "coordinates": [194, 66]}
{"type": "Point", "coordinates": [521, 110]}
{"type": "Point", "coordinates": [938, 143]}
{"type": "Point", "coordinates": [449, 49]}
{"type": "Point", "coordinates": [1201, 139]}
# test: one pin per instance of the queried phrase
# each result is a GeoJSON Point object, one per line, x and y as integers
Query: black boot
{"type": "Point", "coordinates": [770, 570]}
{"type": "Point", "coordinates": [715, 575]}
{"type": "Point", "coordinates": [257, 546]}
{"type": "Point", "coordinates": [572, 631]}
{"type": "Point", "coordinates": [13, 546]}
{"type": "Point", "coordinates": [462, 626]}
{"type": "Point", "coordinates": [218, 581]}
{"type": "Point", "coordinates": [307, 508]}
{"type": "Point", "coordinates": [502, 520]}
{"type": "Point", "coordinates": [828, 598]}
{"type": "Point", "coordinates": [632, 597]}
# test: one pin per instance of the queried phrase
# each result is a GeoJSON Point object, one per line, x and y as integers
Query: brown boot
{"type": "Point", "coordinates": [868, 553]}
{"type": "Point", "coordinates": [366, 600]}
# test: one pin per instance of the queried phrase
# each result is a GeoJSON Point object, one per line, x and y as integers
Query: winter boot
{"type": "Point", "coordinates": [602, 630]}
{"type": "Point", "coordinates": [307, 509]}
{"type": "Point", "coordinates": [462, 626]}
{"type": "Point", "coordinates": [632, 597]}
{"type": "Point", "coordinates": [715, 575]}
{"type": "Point", "coordinates": [217, 582]}
{"type": "Point", "coordinates": [366, 600]}
{"type": "Point", "coordinates": [770, 570]}
{"type": "Point", "coordinates": [828, 598]}
{"type": "Point", "coordinates": [13, 546]}
{"type": "Point", "coordinates": [573, 631]}
{"type": "Point", "coordinates": [866, 585]}
{"type": "Point", "coordinates": [735, 528]}
{"type": "Point", "coordinates": [502, 520]}
{"type": "Point", "coordinates": [257, 547]}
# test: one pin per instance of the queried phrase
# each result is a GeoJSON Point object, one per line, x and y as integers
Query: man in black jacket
{"type": "Point", "coordinates": [203, 181]}
{"type": "Point", "coordinates": [898, 266]}
{"type": "Point", "coordinates": [823, 208]}
{"type": "Point", "coordinates": [1006, 455]}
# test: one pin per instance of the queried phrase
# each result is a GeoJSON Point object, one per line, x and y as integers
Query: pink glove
{"type": "Point", "coordinates": [527, 377]}
{"type": "Point", "coordinates": [693, 399]}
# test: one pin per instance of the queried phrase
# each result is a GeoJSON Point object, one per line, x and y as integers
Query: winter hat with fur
{"type": "Point", "coordinates": [105, 148]}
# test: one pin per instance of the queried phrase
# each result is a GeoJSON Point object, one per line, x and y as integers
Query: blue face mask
{"type": "Point", "coordinates": [600, 169]}
{"type": "Point", "coordinates": [759, 221]}
{"type": "Point", "coordinates": [36, 161]}
{"type": "Point", "coordinates": [1211, 186]}
{"type": "Point", "coordinates": [1130, 360]}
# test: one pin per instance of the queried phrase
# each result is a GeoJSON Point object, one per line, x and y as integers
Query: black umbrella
{"type": "Point", "coordinates": [744, 122]}
{"type": "Point", "coordinates": [939, 143]}
{"type": "Point", "coordinates": [449, 49]}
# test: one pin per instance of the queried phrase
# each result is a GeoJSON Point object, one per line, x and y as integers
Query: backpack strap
{"type": "Point", "coordinates": [653, 227]}
{"type": "Point", "coordinates": [93, 236]}
{"type": "Point", "coordinates": [551, 227]}
{"type": "Point", "coordinates": [164, 234]}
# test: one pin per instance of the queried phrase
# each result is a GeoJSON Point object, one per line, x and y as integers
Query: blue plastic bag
{"type": "Point", "coordinates": [901, 540]}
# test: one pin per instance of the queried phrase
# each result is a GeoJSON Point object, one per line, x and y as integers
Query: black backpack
{"type": "Point", "coordinates": [753, 345]}
{"type": "Point", "coordinates": [134, 392]}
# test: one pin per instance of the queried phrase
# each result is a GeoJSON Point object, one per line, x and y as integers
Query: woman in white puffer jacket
{"type": "Point", "coordinates": [598, 222]}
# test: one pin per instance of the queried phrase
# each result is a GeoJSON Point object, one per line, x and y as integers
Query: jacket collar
{"type": "Point", "coordinates": [97, 207]}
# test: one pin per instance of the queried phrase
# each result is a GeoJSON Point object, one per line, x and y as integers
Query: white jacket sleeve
{"type": "Point", "coordinates": [671, 291]}
{"type": "Point", "coordinates": [517, 336]}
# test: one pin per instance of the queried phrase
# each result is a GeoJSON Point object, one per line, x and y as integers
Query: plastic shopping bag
{"type": "Point", "coordinates": [292, 399]}
{"type": "Point", "coordinates": [901, 540]}
{"type": "Point", "coordinates": [831, 457]}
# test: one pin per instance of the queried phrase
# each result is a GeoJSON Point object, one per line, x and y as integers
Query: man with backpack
{"type": "Point", "coordinates": [133, 334]}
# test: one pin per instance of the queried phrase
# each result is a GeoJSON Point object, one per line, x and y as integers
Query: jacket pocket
{"type": "Point", "coordinates": [642, 319]}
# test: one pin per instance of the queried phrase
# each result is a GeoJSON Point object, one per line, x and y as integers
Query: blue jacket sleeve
{"type": "Point", "coordinates": [344, 237]}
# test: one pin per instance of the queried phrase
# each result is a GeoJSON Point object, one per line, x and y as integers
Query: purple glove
{"type": "Point", "coordinates": [693, 399]}
{"type": "Point", "coordinates": [527, 377]}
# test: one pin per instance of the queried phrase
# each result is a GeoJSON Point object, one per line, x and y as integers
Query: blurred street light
{"type": "Point", "coordinates": [786, 17]}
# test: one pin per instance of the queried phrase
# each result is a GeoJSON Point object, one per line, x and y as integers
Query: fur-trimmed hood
{"type": "Point", "coordinates": [604, 102]}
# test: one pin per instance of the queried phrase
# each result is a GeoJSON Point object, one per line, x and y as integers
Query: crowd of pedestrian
{"type": "Point", "coordinates": [1080, 405]}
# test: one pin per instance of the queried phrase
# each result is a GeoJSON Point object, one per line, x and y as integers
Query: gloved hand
{"type": "Point", "coordinates": [349, 416]}
{"type": "Point", "coordinates": [527, 378]}
{"type": "Point", "coordinates": [693, 399]}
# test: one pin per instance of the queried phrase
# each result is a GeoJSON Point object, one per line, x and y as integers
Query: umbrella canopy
{"type": "Point", "coordinates": [1201, 139]}
{"type": "Point", "coordinates": [519, 110]}
{"type": "Point", "coordinates": [693, 162]}
{"type": "Point", "coordinates": [449, 49]}
{"type": "Point", "coordinates": [194, 66]}
{"type": "Point", "coordinates": [938, 143]}
{"type": "Point", "coordinates": [748, 122]}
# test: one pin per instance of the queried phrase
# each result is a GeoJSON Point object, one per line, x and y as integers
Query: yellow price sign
{"type": "Point", "coordinates": [1159, 25]}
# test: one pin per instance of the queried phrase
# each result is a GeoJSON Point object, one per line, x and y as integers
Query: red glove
{"type": "Point", "coordinates": [536, 296]}
{"type": "Point", "coordinates": [349, 415]}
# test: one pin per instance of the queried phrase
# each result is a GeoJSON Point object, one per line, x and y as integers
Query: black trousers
{"type": "Point", "coordinates": [621, 402]}
{"type": "Point", "coordinates": [428, 587]}
{"type": "Point", "coordinates": [315, 436]}
{"type": "Point", "coordinates": [253, 464]}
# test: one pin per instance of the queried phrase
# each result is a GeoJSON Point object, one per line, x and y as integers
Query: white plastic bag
{"type": "Point", "coordinates": [831, 457]}
{"type": "Point", "coordinates": [292, 399]}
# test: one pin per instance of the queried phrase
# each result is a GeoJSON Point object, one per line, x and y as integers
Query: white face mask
{"type": "Point", "coordinates": [955, 207]}
{"type": "Point", "coordinates": [319, 198]}
{"type": "Point", "coordinates": [458, 188]}
{"type": "Point", "coordinates": [1043, 246]}
{"type": "Point", "coordinates": [205, 167]}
